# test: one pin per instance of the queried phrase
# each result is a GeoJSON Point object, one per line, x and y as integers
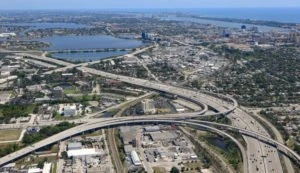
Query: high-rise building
{"type": "Point", "coordinates": [144, 35]}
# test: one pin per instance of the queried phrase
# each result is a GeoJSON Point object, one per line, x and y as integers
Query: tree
{"type": "Point", "coordinates": [174, 170]}
{"type": "Point", "coordinates": [64, 155]}
{"type": "Point", "coordinates": [41, 163]}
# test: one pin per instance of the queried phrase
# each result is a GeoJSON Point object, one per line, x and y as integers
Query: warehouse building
{"type": "Point", "coordinates": [74, 146]}
{"type": "Point", "coordinates": [135, 159]}
{"type": "Point", "coordinates": [82, 152]}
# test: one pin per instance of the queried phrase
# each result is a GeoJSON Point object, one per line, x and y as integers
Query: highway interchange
{"type": "Point", "coordinates": [261, 153]}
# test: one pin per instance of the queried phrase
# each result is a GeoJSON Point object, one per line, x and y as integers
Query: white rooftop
{"type": "Point", "coordinates": [82, 152]}
{"type": "Point", "coordinates": [34, 170]}
{"type": "Point", "coordinates": [47, 168]}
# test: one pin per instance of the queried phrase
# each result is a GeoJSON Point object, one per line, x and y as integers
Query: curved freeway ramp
{"type": "Point", "coordinates": [113, 123]}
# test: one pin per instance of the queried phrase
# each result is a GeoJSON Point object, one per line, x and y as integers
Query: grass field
{"type": "Point", "coordinates": [72, 90]}
{"type": "Point", "coordinates": [159, 170]}
{"type": "Point", "coordinates": [10, 134]}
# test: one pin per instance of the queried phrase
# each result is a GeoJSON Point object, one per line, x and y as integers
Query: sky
{"type": "Point", "coordinates": [121, 4]}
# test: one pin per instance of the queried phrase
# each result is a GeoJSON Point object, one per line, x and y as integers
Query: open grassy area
{"type": "Point", "coordinates": [10, 134]}
{"type": "Point", "coordinates": [54, 167]}
{"type": "Point", "coordinates": [29, 160]}
{"type": "Point", "coordinates": [192, 166]}
{"type": "Point", "coordinates": [72, 90]}
{"type": "Point", "coordinates": [87, 98]}
{"type": "Point", "coordinates": [159, 170]}
{"type": "Point", "coordinates": [3, 145]}
{"type": "Point", "coordinates": [95, 133]}
{"type": "Point", "coordinates": [55, 148]}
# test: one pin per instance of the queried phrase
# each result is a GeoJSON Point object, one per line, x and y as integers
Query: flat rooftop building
{"type": "Point", "coordinates": [163, 136]}
{"type": "Point", "coordinates": [34, 170]}
{"type": "Point", "coordinates": [152, 129]}
{"type": "Point", "coordinates": [135, 158]}
{"type": "Point", "coordinates": [82, 152]}
{"type": "Point", "coordinates": [148, 106]}
{"type": "Point", "coordinates": [74, 146]}
{"type": "Point", "coordinates": [47, 168]}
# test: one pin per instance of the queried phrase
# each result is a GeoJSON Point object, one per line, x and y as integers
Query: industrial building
{"type": "Point", "coordinates": [135, 159]}
{"type": "Point", "coordinates": [46, 169]}
{"type": "Point", "coordinates": [163, 136]}
{"type": "Point", "coordinates": [148, 106]}
{"type": "Point", "coordinates": [74, 146]}
{"type": "Point", "coordinates": [7, 34]}
{"type": "Point", "coordinates": [152, 129]}
{"type": "Point", "coordinates": [69, 110]}
{"type": "Point", "coordinates": [82, 152]}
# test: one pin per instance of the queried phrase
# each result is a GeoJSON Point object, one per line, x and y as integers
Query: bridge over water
{"type": "Point", "coordinates": [90, 50]}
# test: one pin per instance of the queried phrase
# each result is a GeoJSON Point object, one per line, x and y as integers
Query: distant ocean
{"type": "Point", "coordinates": [270, 14]}
{"type": "Point", "coordinates": [287, 15]}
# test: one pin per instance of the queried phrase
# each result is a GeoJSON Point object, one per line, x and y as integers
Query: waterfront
{"type": "Point", "coordinates": [73, 42]}
{"type": "Point", "coordinates": [219, 23]}
{"type": "Point", "coordinates": [279, 14]}
{"type": "Point", "coordinates": [87, 56]}
{"type": "Point", "coordinates": [87, 43]}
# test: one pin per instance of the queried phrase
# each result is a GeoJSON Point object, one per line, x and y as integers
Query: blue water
{"type": "Point", "coordinates": [220, 23]}
{"type": "Point", "coordinates": [268, 14]}
{"type": "Point", "coordinates": [88, 56]}
{"type": "Point", "coordinates": [89, 42]}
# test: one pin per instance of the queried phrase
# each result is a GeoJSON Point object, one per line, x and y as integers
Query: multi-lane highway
{"type": "Point", "coordinates": [111, 122]}
{"type": "Point", "coordinates": [261, 157]}
{"type": "Point", "coordinates": [102, 123]}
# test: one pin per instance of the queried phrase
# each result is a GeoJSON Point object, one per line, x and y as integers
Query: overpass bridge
{"type": "Point", "coordinates": [108, 124]}
{"type": "Point", "coordinates": [222, 104]}
{"type": "Point", "coordinates": [113, 122]}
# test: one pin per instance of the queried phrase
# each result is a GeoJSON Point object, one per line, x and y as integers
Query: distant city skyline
{"type": "Point", "coordinates": [133, 4]}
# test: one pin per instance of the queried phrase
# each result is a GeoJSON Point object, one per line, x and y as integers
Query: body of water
{"type": "Point", "coordinates": [88, 56]}
{"type": "Point", "coordinates": [220, 23]}
{"type": "Point", "coordinates": [73, 42]}
{"type": "Point", "coordinates": [285, 14]}
{"type": "Point", "coordinates": [89, 42]}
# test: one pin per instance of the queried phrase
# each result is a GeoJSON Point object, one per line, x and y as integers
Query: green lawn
{"type": "Point", "coordinates": [10, 134]}
{"type": "Point", "coordinates": [72, 90]}
{"type": "Point", "coordinates": [159, 170]}
{"type": "Point", "coordinates": [34, 160]}
{"type": "Point", "coordinates": [54, 167]}
{"type": "Point", "coordinates": [95, 133]}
